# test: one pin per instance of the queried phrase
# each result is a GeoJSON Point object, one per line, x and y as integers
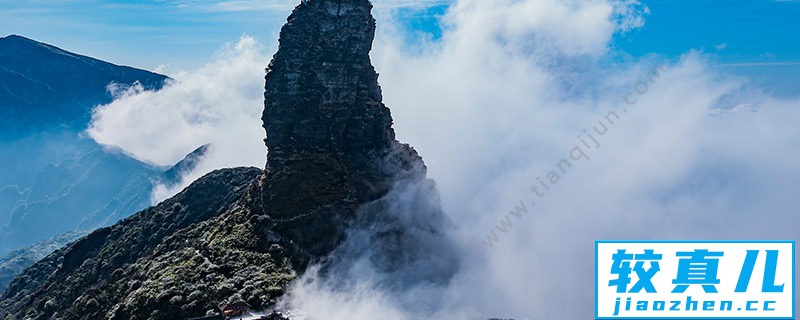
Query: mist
{"type": "Point", "coordinates": [219, 104]}
{"type": "Point", "coordinates": [510, 90]}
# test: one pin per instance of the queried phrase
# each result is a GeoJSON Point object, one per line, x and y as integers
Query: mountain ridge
{"type": "Point", "coordinates": [88, 263]}
{"type": "Point", "coordinates": [55, 87]}
{"type": "Point", "coordinates": [337, 188]}
{"type": "Point", "coordinates": [85, 58]}
{"type": "Point", "coordinates": [56, 179]}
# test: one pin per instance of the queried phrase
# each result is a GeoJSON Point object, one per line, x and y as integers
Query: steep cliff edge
{"type": "Point", "coordinates": [330, 139]}
{"type": "Point", "coordinates": [337, 186]}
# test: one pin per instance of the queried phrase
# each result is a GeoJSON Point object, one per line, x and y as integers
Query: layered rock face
{"type": "Point", "coordinates": [337, 189]}
{"type": "Point", "coordinates": [327, 130]}
{"type": "Point", "coordinates": [322, 94]}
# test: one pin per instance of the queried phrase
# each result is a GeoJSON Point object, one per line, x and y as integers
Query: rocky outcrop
{"type": "Point", "coordinates": [337, 188]}
{"type": "Point", "coordinates": [330, 139]}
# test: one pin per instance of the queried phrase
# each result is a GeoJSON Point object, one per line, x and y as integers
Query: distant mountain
{"type": "Point", "coordinates": [55, 179]}
{"type": "Point", "coordinates": [172, 176]}
{"type": "Point", "coordinates": [338, 189]}
{"type": "Point", "coordinates": [92, 188]}
{"type": "Point", "coordinates": [78, 195]}
{"type": "Point", "coordinates": [42, 87]}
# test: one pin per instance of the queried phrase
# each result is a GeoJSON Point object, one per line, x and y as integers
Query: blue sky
{"type": "Point", "coordinates": [150, 33]}
{"type": "Point", "coordinates": [141, 33]}
{"type": "Point", "coordinates": [757, 38]}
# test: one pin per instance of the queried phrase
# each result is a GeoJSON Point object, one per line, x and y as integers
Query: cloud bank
{"type": "Point", "coordinates": [220, 104]}
{"type": "Point", "coordinates": [513, 88]}
{"type": "Point", "coordinates": [510, 89]}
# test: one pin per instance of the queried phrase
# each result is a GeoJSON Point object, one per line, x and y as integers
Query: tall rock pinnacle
{"type": "Point", "coordinates": [322, 93]}
{"type": "Point", "coordinates": [327, 130]}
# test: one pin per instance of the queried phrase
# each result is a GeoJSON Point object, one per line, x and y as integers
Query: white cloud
{"type": "Point", "coordinates": [505, 95]}
{"type": "Point", "coordinates": [221, 104]}
{"type": "Point", "coordinates": [497, 102]}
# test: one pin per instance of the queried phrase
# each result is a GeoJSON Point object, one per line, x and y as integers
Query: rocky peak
{"type": "Point", "coordinates": [327, 129]}
{"type": "Point", "coordinates": [322, 93]}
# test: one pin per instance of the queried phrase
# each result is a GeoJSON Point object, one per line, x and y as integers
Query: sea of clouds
{"type": "Point", "coordinates": [510, 89]}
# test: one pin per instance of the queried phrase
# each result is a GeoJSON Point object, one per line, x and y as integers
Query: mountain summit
{"type": "Point", "coordinates": [327, 130]}
{"type": "Point", "coordinates": [338, 189]}
{"type": "Point", "coordinates": [42, 86]}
